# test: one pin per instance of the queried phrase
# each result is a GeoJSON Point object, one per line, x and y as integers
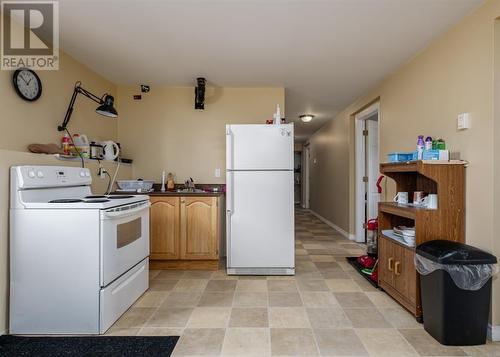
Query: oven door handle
{"type": "Point", "coordinates": [125, 213]}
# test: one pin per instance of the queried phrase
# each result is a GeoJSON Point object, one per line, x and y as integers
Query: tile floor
{"type": "Point", "coordinates": [327, 309]}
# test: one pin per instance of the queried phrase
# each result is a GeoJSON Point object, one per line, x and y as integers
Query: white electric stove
{"type": "Point", "coordinates": [78, 261]}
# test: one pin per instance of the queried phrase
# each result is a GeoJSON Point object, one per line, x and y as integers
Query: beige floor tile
{"type": "Point", "coordinates": [367, 318]}
{"type": "Point", "coordinates": [328, 318]}
{"type": "Point", "coordinates": [171, 274]}
{"type": "Point", "coordinates": [252, 285]}
{"type": "Point", "coordinates": [153, 273]}
{"type": "Point", "coordinates": [425, 345]}
{"type": "Point", "coordinates": [209, 317]}
{"type": "Point", "coordinates": [293, 342]}
{"type": "Point", "coordinates": [222, 275]}
{"type": "Point", "coordinates": [381, 299]}
{"type": "Point", "coordinates": [300, 252]}
{"type": "Point", "coordinates": [250, 299]}
{"type": "Point", "coordinates": [385, 342]}
{"type": "Point", "coordinates": [247, 342]}
{"type": "Point", "coordinates": [181, 299]}
{"type": "Point", "coordinates": [339, 342]}
{"type": "Point", "coordinates": [171, 317]}
{"type": "Point", "coordinates": [319, 299]}
{"type": "Point", "coordinates": [398, 317]}
{"type": "Point", "coordinates": [249, 317]}
{"type": "Point", "coordinates": [288, 317]}
{"type": "Point", "coordinates": [191, 285]}
{"type": "Point", "coordinates": [322, 258]}
{"type": "Point", "coordinates": [313, 246]}
{"type": "Point", "coordinates": [151, 299]}
{"type": "Point", "coordinates": [353, 300]}
{"type": "Point", "coordinates": [221, 285]}
{"type": "Point", "coordinates": [216, 299]}
{"type": "Point", "coordinates": [312, 285]}
{"type": "Point", "coordinates": [252, 277]}
{"type": "Point", "coordinates": [160, 331]}
{"type": "Point", "coordinates": [284, 299]}
{"type": "Point", "coordinates": [282, 285]}
{"type": "Point", "coordinates": [122, 331]}
{"type": "Point", "coordinates": [200, 342]}
{"type": "Point", "coordinates": [134, 317]}
{"type": "Point", "coordinates": [342, 285]}
{"type": "Point", "coordinates": [162, 285]}
{"type": "Point", "coordinates": [197, 274]}
{"type": "Point", "coordinates": [489, 349]}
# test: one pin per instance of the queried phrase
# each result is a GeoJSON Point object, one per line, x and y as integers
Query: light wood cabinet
{"type": "Point", "coordinates": [185, 232]}
{"type": "Point", "coordinates": [199, 228]}
{"type": "Point", "coordinates": [164, 227]}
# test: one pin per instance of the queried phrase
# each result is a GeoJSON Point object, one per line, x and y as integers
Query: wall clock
{"type": "Point", "coordinates": [27, 84]}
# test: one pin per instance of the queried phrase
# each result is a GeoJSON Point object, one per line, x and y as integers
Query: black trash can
{"type": "Point", "coordinates": [455, 284]}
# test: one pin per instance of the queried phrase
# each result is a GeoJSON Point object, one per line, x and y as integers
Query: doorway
{"type": "Point", "coordinates": [367, 168]}
{"type": "Point", "coordinates": [306, 159]}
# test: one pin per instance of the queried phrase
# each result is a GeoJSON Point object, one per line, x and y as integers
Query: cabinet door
{"type": "Point", "coordinates": [386, 261]}
{"type": "Point", "coordinates": [164, 228]}
{"type": "Point", "coordinates": [199, 228]}
{"type": "Point", "coordinates": [405, 273]}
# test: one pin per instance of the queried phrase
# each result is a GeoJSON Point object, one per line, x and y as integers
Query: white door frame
{"type": "Point", "coordinates": [359, 126]}
{"type": "Point", "coordinates": [306, 175]}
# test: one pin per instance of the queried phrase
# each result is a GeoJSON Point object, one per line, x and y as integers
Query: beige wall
{"type": "Point", "coordinates": [453, 75]}
{"type": "Point", "coordinates": [163, 131]}
{"type": "Point", "coordinates": [22, 123]}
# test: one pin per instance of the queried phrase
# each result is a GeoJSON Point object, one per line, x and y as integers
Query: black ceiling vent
{"type": "Point", "coordinates": [199, 94]}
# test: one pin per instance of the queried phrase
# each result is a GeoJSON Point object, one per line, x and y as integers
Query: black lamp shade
{"type": "Point", "coordinates": [106, 108]}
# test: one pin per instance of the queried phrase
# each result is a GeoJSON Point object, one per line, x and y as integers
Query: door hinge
{"type": "Point", "coordinates": [365, 132]}
{"type": "Point", "coordinates": [365, 178]}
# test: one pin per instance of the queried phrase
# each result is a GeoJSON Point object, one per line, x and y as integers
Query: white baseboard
{"type": "Point", "coordinates": [494, 333]}
{"type": "Point", "coordinates": [333, 225]}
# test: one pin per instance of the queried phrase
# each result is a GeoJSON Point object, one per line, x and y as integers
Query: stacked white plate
{"type": "Point", "coordinates": [407, 233]}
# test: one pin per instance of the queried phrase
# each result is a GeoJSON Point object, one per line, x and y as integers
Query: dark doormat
{"type": "Point", "coordinates": [354, 262]}
{"type": "Point", "coordinates": [87, 346]}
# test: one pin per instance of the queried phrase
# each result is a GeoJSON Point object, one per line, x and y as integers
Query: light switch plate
{"type": "Point", "coordinates": [217, 173]}
{"type": "Point", "coordinates": [463, 121]}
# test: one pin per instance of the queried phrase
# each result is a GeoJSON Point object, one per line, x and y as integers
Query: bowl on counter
{"type": "Point", "coordinates": [134, 185]}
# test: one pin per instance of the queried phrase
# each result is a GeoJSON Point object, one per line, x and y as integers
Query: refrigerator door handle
{"type": "Point", "coordinates": [229, 148]}
{"type": "Point", "coordinates": [229, 193]}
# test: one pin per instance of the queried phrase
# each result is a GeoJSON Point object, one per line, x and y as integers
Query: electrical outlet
{"type": "Point", "coordinates": [217, 173]}
{"type": "Point", "coordinates": [463, 121]}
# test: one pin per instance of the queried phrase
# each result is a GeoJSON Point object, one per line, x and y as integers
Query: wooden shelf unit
{"type": "Point", "coordinates": [397, 274]}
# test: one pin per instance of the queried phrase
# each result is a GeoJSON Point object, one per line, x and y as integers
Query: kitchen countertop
{"type": "Point", "coordinates": [175, 193]}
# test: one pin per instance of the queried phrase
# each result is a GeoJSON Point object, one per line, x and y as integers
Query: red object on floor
{"type": "Point", "coordinates": [366, 261]}
{"type": "Point", "coordinates": [374, 276]}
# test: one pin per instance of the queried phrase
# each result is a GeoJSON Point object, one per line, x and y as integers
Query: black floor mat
{"type": "Point", "coordinates": [87, 346]}
{"type": "Point", "coordinates": [354, 262]}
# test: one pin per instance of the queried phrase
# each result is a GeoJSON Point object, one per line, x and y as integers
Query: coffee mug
{"type": "Point", "coordinates": [401, 197]}
{"type": "Point", "coordinates": [431, 201]}
{"type": "Point", "coordinates": [418, 196]}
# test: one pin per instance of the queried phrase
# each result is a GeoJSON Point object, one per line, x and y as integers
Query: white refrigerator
{"type": "Point", "coordinates": [260, 199]}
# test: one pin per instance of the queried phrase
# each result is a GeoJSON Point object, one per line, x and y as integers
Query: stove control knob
{"type": "Point", "coordinates": [39, 174]}
{"type": "Point", "coordinates": [87, 174]}
{"type": "Point", "coordinates": [31, 174]}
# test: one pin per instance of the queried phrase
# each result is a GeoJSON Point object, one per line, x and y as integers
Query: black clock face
{"type": "Point", "coordinates": [27, 84]}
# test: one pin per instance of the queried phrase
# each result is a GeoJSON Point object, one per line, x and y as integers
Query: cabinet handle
{"type": "Point", "coordinates": [397, 271]}
{"type": "Point", "coordinates": [389, 262]}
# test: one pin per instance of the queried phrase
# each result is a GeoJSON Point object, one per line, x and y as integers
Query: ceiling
{"type": "Point", "coordinates": [325, 53]}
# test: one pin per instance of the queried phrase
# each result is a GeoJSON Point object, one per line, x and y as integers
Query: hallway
{"type": "Point", "coordinates": [326, 309]}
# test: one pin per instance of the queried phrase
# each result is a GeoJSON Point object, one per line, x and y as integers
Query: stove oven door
{"type": "Point", "coordinates": [124, 239]}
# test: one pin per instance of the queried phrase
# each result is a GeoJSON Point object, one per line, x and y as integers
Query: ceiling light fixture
{"type": "Point", "coordinates": [306, 118]}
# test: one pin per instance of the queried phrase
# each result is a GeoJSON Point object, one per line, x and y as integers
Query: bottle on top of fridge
{"type": "Point", "coordinates": [277, 115]}
{"type": "Point", "coordinates": [420, 147]}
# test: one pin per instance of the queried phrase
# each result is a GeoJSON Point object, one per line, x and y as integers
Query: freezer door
{"type": "Point", "coordinates": [260, 223]}
{"type": "Point", "coordinates": [259, 147]}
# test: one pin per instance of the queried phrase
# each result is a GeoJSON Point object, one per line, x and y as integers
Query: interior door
{"type": "Point", "coordinates": [260, 219]}
{"type": "Point", "coordinates": [372, 169]}
{"type": "Point", "coordinates": [259, 147]}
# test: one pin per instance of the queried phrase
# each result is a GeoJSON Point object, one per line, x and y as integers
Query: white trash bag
{"type": "Point", "coordinates": [466, 277]}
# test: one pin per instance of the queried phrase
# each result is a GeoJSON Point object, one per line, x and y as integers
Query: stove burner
{"type": "Point", "coordinates": [95, 196]}
{"type": "Point", "coordinates": [117, 197]}
{"type": "Point", "coordinates": [66, 200]}
{"type": "Point", "coordinates": [96, 201]}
